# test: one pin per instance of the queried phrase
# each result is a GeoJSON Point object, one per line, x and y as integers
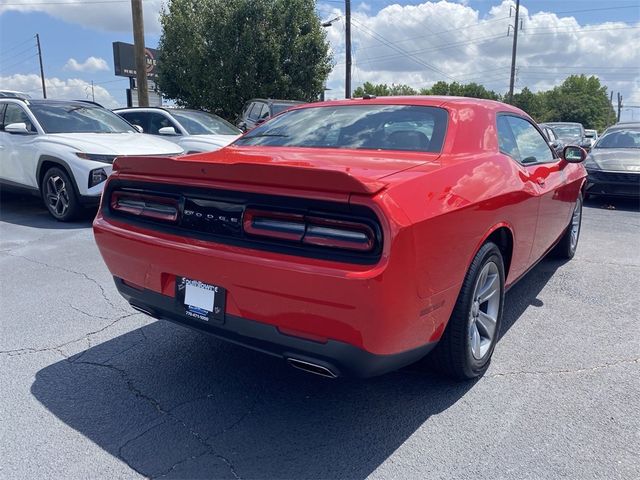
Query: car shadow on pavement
{"type": "Point", "coordinates": [171, 402]}
{"type": "Point", "coordinates": [29, 211]}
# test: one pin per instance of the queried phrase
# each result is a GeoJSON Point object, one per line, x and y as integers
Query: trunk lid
{"type": "Point", "coordinates": [330, 170]}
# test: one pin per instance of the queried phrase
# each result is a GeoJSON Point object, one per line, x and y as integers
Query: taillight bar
{"type": "Point", "coordinates": [144, 205]}
{"type": "Point", "coordinates": [310, 230]}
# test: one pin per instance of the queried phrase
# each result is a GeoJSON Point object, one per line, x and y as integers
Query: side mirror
{"type": "Point", "coordinates": [139, 128]}
{"type": "Point", "coordinates": [260, 120]}
{"type": "Point", "coordinates": [242, 126]}
{"type": "Point", "coordinates": [574, 154]}
{"type": "Point", "coordinates": [167, 131]}
{"type": "Point", "coordinates": [19, 127]}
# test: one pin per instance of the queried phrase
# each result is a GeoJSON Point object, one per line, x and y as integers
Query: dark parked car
{"type": "Point", "coordinates": [258, 110]}
{"type": "Point", "coordinates": [569, 133]}
{"type": "Point", "coordinates": [552, 137]}
{"type": "Point", "coordinates": [614, 162]}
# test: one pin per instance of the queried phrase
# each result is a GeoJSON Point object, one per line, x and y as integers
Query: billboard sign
{"type": "Point", "coordinates": [124, 60]}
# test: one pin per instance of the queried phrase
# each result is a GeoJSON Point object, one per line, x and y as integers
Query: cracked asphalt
{"type": "Point", "coordinates": [91, 389]}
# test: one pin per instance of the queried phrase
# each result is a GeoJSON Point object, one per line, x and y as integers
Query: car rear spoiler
{"type": "Point", "coordinates": [268, 174]}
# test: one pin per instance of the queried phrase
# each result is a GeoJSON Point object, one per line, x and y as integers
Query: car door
{"type": "Point", "coordinates": [545, 170]}
{"type": "Point", "coordinates": [18, 150]}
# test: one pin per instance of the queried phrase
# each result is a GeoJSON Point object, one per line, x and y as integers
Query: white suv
{"type": "Point", "coordinates": [194, 130]}
{"type": "Point", "coordinates": [62, 150]}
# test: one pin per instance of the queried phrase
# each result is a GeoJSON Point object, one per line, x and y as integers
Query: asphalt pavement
{"type": "Point", "coordinates": [90, 389]}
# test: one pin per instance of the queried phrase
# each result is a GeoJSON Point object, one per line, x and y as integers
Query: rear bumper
{"type": "Point", "coordinates": [620, 184]}
{"type": "Point", "coordinates": [341, 358]}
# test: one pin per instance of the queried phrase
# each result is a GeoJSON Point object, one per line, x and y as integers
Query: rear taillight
{"type": "Point", "coordinates": [145, 206]}
{"type": "Point", "coordinates": [310, 230]}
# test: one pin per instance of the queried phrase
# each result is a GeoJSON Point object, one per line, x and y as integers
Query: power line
{"type": "Point", "coordinates": [5, 68]}
{"type": "Point", "coordinates": [17, 54]}
{"type": "Point", "coordinates": [384, 41]}
{"type": "Point", "coordinates": [16, 45]}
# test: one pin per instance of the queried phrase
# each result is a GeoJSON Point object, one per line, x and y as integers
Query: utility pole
{"type": "Point", "coordinates": [93, 96]}
{"type": "Point", "coordinates": [610, 104]}
{"type": "Point", "coordinates": [619, 105]}
{"type": "Point", "coordinates": [44, 89]}
{"type": "Point", "coordinates": [513, 51]}
{"type": "Point", "coordinates": [347, 28]}
{"type": "Point", "coordinates": [138, 47]}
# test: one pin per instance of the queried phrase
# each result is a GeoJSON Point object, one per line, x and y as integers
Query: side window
{"type": "Point", "coordinates": [506, 140]}
{"type": "Point", "coordinates": [158, 121]}
{"type": "Point", "coordinates": [15, 114]}
{"type": "Point", "coordinates": [137, 118]}
{"type": "Point", "coordinates": [265, 112]}
{"type": "Point", "coordinates": [531, 146]}
{"type": "Point", "coordinates": [256, 111]}
{"type": "Point", "coordinates": [2, 108]}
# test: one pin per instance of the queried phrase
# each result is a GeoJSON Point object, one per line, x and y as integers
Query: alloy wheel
{"type": "Point", "coordinates": [575, 223]}
{"type": "Point", "coordinates": [57, 195]}
{"type": "Point", "coordinates": [485, 307]}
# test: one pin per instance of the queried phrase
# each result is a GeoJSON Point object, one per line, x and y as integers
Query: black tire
{"type": "Point", "coordinates": [59, 195]}
{"type": "Point", "coordinates": [566, 248]}
{"type": "Point", "coordinates": [453, 356]}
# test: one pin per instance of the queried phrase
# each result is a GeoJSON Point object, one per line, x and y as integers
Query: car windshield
{"type": "Point", "coordinates": [276, 108]}
{"type": "Point", "coordinates": [203, 123]}
{"type": "Point", "coordinates": [626, 138]}
{"type": "Point", "coordinates": [377, 127]}
{"type": "Point", "coordinates": [567, 131]}
{"type": "Point", "coordinates": [78, 118]}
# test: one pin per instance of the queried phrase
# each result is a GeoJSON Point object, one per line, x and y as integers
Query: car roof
{"type": "Point", "coordinates": [563, 123]}
{"type": "Point", "coordinates": [164, 109]}
{"type": "Point", "coordinates": [456, 103]}
{"type": "Point", "coordinates": [275, 100]}
{"type": "Point", "coordinates": [43, 101]}
{"type": "Point", "coordinates": [624, 126]}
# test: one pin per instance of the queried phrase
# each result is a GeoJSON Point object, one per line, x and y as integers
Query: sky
{"type": "Point", "coordinates": [411, 42]}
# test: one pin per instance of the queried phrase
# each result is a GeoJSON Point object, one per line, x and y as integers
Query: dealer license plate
{"type": "Point", "coordinates": [201, 301]}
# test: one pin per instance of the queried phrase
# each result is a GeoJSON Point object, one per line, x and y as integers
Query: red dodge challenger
{"type": "Point", "coordinates": [348, 237]}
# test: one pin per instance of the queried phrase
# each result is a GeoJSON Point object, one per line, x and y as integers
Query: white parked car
{"type": "Point", "coordinates": [591, 136]}
{"type": "Point", "coordinates": [194, 130]}
{"type": "Point", "coordinates": [63, 150]}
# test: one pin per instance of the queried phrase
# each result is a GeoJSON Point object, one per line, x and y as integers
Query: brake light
{"type": "Point", "coordinates": [275, 225]}
{"type": "Point", "coordinates": [339, 234]}
{"type": "Point", "coordinates": [143, 205]}
{"type": "Point", "coordinates": [322, 232]}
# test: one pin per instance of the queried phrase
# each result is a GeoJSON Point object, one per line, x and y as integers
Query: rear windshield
{"type": "Point", "coordinates": [628, 138]}
{"type": "Point", "coordinates": [376, 127]}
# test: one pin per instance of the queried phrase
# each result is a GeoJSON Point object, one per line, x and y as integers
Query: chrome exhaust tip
{"type": "Point", "coordinates": [311, 368]}
{"type": "Point", "coordinates": [143, 310]}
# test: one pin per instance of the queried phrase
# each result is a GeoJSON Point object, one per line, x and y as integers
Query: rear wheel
{"type": "Point", "coordinates": [465, 349]}
{"type": "Point", "coordinates": [567, 246]}
{"type": "Point", "coordinates": [59, 195]}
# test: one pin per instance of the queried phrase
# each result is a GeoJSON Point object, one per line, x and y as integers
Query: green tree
{"type": "Point", "coordinates": [532, 103]}
{"type": "Point", "coordinates": [579, 99]}
{"type": "Point", "coordinates": [383, 90]}
{"type": "Point", "coordinates": [217, 54]}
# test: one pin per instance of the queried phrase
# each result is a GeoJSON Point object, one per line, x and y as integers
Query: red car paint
{"type": "Point", "coordinates": [435, 211]}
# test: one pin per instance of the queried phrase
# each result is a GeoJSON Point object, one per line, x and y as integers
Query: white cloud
{"type": "Point", "coordinates": [91, 64]}
{"type": "Point", "coordinates": [72, 88]}
{"type": "Point", "coordinates": [421, 44]}
{"type": "Point", "coordinates": [114, 17]}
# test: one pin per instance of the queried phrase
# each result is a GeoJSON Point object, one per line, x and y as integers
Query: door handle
{"type": "Point", "coordinates": [540, 181]}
